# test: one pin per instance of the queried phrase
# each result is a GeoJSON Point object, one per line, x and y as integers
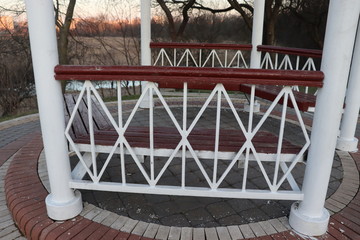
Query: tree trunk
{"type": "Point", "coordinates": [175, 35]}
{"type": "Point", "coordinates": [170, 19]}
{"type": "Point", "coordinates": [239, 7]}
{"type": "Point", "coordinates": [272, 11]}
{"type": "Point", "coordinates": [269, 35]}
{"type": "Point", "coordinates": [185, 20]}
{"type": "Point", "coordinates": [63, 41]}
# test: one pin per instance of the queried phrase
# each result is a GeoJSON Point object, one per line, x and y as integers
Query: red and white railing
{"type": "Point", "coordinates": [290, 59]}
{"type": "Point", "coordinates": [219, 81]}
{"type": "Point", "coordinates": [201, 55]}
{"type": "Point", "coordinates": [235, 55]}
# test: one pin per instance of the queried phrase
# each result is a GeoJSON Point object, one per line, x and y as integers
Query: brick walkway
{"type": "Point", "coordinates": [25, 198]}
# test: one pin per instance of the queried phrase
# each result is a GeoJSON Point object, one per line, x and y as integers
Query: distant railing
{"type": "Point", "coordinates": [236, 56]}
{"type": "Point", "coordinates": [184, 141]}
{"type": "Point", "coordinates": [290, 59]}
{"type": "Point", "coordinates": [201, 55]}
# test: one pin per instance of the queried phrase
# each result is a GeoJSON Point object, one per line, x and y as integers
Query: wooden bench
{"type": "Point", "coordinates": [174, 77]}
{"type": "Point", "coordinates": [166, 138]}
{"type": "Point", "coordinates": [305, 102]}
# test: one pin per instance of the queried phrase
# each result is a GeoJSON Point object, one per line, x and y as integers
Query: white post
{"type": "Point", "coordinates": [256, 39]}
{"type": "Point", "coordinates": [62, 203]}
{"type": "Point", "coordinates": [257, 33]}
{"type": "Point", "coordinates": [347, 140]}
{"type": "Point", "coordinates": [309, 217]}
{"type": "Point", "coordinates": [145, 42]}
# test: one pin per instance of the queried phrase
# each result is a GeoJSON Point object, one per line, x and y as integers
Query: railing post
{"type": "Point", "coordinates": [145, 42]}
{"type": "Point", "coordinates": [257, 33]}
{"type": "Point", "coordinates": [347, 140]}
{"type": "Point", "coordinates": [256, 39]}
{"type": "Point", "coordinates": [309, 216]}
{"type": "Point", "coordinates": [62, 203]}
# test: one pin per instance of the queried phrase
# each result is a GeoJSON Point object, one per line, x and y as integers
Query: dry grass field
{"type": "Point", "coordinates": [104, 51]}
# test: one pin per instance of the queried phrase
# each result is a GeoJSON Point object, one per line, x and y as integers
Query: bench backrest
{"type": "Point", "coordinates": [80, 126]}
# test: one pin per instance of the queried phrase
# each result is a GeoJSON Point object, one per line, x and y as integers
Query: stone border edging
{"type": "Point", "coordinates": [18, 121]}
{"type": "Point", "coordinates": [8, 229]}
{"type": "Point", "coordinates": [335, 203]}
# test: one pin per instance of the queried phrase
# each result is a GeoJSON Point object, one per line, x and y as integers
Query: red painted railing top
{"type": "Point", "coordinates": [291, 51]}
{"type": "Point", "coordinates": [201, 45]}
{"type": "Point", "coordinates": [196, 76]}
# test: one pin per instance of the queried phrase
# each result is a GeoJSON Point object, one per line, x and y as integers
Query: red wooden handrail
{"type": "Point", "coordinates": [291, 51]}
{"type": "Point", "coordinates": [195, 77]}
{"type": "Point", "coordinates": [201, 46]}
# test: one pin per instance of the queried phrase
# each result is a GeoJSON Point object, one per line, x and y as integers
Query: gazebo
{"type": "Point", "coordinates": [339, 66]}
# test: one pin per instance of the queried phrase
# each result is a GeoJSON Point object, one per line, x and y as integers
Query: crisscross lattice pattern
{"type": "Point", "coordinates": [185, 147]}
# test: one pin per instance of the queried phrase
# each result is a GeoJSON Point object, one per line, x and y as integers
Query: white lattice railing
{"type": "Point", "coordinates": [290, 59]}
{"type": "Point", "coordinates": [234, 55]}
{"type": "Point", "coordinates": [201, 55]}
{"type": "Point", "coordinates": [116, 139]}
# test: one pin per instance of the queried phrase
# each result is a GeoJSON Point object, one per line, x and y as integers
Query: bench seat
{"type": "Point", "coordinates": [200, 139]}
{"type": "Point", "coordinates": [166, 139]}
{"type": "Point", "coordinates": [305, 101]}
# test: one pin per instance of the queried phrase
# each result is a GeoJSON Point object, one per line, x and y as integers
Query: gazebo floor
{"type": "Point", "coordinates": [199, 212]}
{"type": "Point", "coordinates": [23, 193]}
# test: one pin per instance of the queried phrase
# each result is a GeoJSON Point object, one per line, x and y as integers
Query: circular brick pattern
{"type": "Point", "coordinates": [214, 208]}
{"type": "Point", "coordinates": [22, 195]}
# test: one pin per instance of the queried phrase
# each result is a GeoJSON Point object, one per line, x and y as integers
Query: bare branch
{"type": "Point", "coordinates": [169, 18]}
{"type": "Point", "coordinates": [199, 6]}
{"type": "Point", "coordinates": [240, 8]}
{"type": "Point", "coordinates": [185, 17]}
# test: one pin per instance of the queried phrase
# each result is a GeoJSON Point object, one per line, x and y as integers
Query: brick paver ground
{"type": "Point", "coordinates": [25, 198]}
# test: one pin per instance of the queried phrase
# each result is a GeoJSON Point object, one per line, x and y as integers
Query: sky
{"type": "Point", "coordinates": [115, 8]}
{"type": "Point", "coordinates": [86, 8]}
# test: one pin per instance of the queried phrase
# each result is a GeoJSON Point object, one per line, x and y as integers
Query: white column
{"type": "Point", "coordinates": [62, 203]}
{"type": "Point", "coordinates": [309, 217]}
{"type": "Point", "coordinates": [145, 41]}
{"type": "Point", "coordinates": [256, 39]}
{"type": "Point", "coordinates": [257, 33]}
{"type": "Point", "coordinates": [347, 140]}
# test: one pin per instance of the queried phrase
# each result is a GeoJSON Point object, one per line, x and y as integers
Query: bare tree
{"type": "Point", "coordinates": [64, 12]}
{"type": "Point", "coordinates": [312, 14]}
{"type": "Point", "coordinates": [184, 7]}
{"type": "Point", "coordinates": [273, 9]}
{"type": "Point", "coordinates": [16, 75]}
{"type": "Point", "coordinates": [246, 10]}
{"type": "Point", "coordinates": [272, 12]}
{"type": "Point", "coordinates": [63, 22]}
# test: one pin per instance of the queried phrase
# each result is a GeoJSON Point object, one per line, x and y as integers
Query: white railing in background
{"type": "Point", "coordinates": [201, 55]}
{"type": "Point", "coordinates": [235, 55]}
{"type": "Point", "coordinates": [290, 59]}
{"type": "Point", "coordinates": [286, 63]}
